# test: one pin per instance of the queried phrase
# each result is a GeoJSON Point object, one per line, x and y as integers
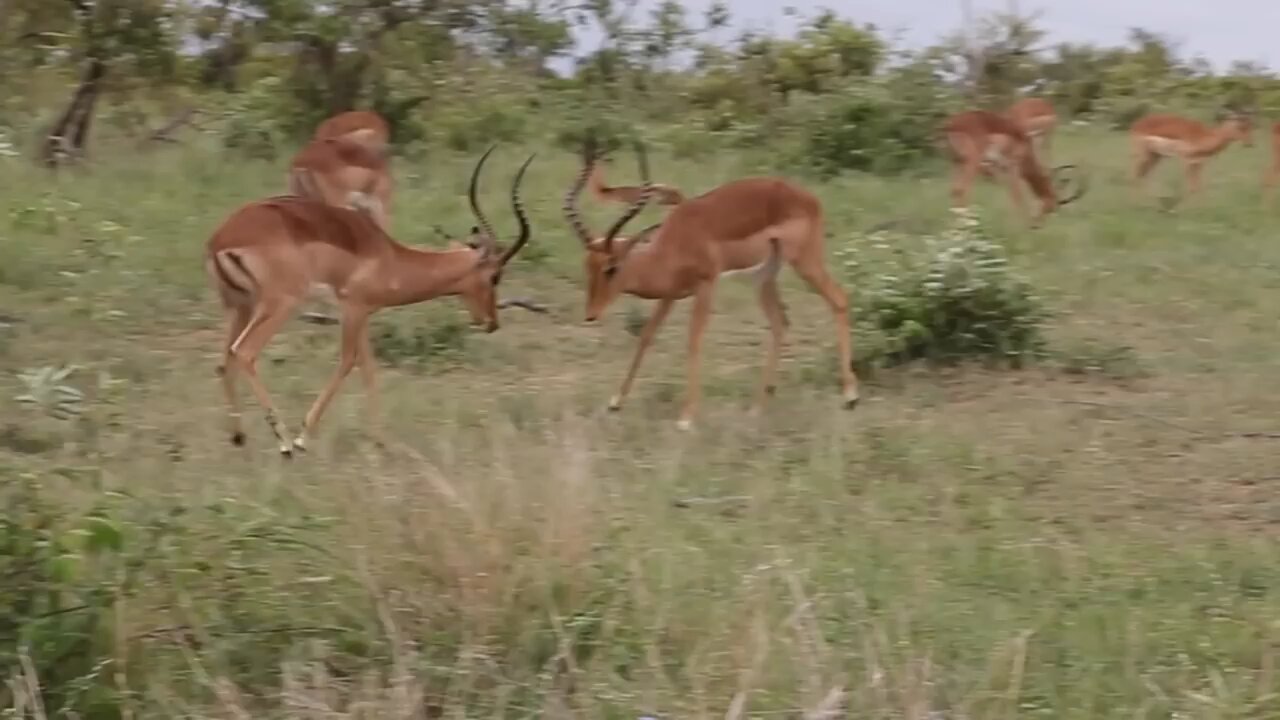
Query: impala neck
{"type": "Point", "coordinates": [1219, 140]}
{"type": "Point", "coordinates": [415, 275]}
{"type": "Point", "coordinates": [648, 272]}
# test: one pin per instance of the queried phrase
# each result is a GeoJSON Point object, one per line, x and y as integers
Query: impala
{"type": "Point", "coordinates": [270, 254]}
{"type": "Point", "coordinates": [666, 194]}
{"type": "Point", "coordinates": [1037, 119]}
{"type": "Point", "coordinates": [1273, 175]}
{"type": "Point", "coordinates": [751, 225]}
{"type": "Point", "coordinates": [1158, 136]}
{"type": "Point", "coordinates": [981, 141]}
{"type": "Point", "coordinates": [344, 173]}
{"type": "Point", "coordinates": [365, 127]}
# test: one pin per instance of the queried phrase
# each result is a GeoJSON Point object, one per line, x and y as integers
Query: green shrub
{"type": "Point", "coordinates": [960, 300]}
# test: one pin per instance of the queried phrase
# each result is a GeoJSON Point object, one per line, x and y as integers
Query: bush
{"type": "Point", "coordinates": [960, 301]}
{"type": "Point", "coordinates": [883, 126]}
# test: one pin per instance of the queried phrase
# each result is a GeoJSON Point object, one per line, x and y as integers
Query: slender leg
{"type": "Point", "coordinates": [1144, 162]}
{"type": "Point", "coordinates": [368, 374]}
{"type": "Point", "coordinates": [660, 312]}
{"type": "Point", "coordinates": [237, 319]}
{"type": "Point", "coordinates": [962, 180]}
{"type": "Point", "coordinates": [354, 322]}
{"type": "Point", "coordinates": [815, 273]}
{"type": "Point", "coordinates": [776, 314]}
{"type": "Point", "coordinates": [1194, 168]}
{"type": "Point", "coordinates": [1048, 143]}
{"type": "Point", "coordinates": [698, 319]}
{"type": "Point", "coordinates": [267, 320]}
{"type": "Point", "coordinates": [1013, 180]}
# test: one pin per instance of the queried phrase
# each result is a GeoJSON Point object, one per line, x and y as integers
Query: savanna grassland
{"type": "Point", "coordinates": [1093, 535]}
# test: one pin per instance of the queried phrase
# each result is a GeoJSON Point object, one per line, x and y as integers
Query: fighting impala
{"type": "Point", "coordinates": [982, 142]}
{"type": "Point", "coordinates": [1158, 136]}
{"type": "Point", "coordinates": [270, 254]}
{"type": "Point", "coordinates": [1037, 119]}
{"type": "Point", "coordinates": [751, 225]}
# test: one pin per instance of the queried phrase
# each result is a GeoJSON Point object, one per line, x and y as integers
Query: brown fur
{"type": "Point", "coordinates": [1037, 119]}
{"type": "Point", "coordinates": [332, 169]}
{"type": "Point", "coordinates": [1273, 175]}
{"type": "Point", "coordinates": [268, 256]}
{"type": "Point", "coordinates": [666, 194]}
{"type": "Point", "coordinates": [749, 224]}
{"type": "Point", "coordinates": [365, 127]}
{"type": "Point", "coordinates": [1161, 135]}
{"type": "Point", "coordinates": [979, 139]}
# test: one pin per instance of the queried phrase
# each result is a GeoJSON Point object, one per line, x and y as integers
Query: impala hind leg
{"type": "Point", "coordinates": [698, 319]}
{"type": "Point", "coordinates": [237, 320]}
{"type": "Point", "coordinates": [659, 315]}
{"type": "Point", "coordinates": [266, 321]}
{"type": "Point", "coordinates": [811, 269]}
{"type": "Point", "coordinates": [1144, 162]}
{"type": "Point", "coordinates": [776, 313]}
{"type": "Point", "coordinates": [354, 327]}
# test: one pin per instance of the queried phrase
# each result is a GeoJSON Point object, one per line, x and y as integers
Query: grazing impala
{"type": "Point", "coordinates": [365, 127]}
{"type": "Point", "coordinates": [749, 225]}
{"type": "Point", "coordinates": [1037, 119]}
{"type": "Point", "coordinates": [344, 173]}
{"type": "Point", "coordinates": [269, 255]}
{"type": "Point", "coordinates": [981, 141]}
{"type": "Point", "coordinates": [1158, 136]}
{"type": "Point", "coordinates": [1273, 175]}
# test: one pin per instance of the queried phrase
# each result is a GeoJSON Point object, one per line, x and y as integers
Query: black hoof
{"type": "Point", "coordinates": [851, 404]}
{"type": "Point", "coordinates": [237, 439]}
{"type": "Point", "coordinates": [771, 390]}
{"type": "Point", "coordinates": [287, 453]}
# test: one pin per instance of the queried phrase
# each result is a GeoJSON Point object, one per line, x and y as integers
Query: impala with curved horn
{"type": "Point", "coordinates": [269, 255]}
{"type": "Point", "coordinates": [748, 225]}
{"type": "Point", "coordinates": [985, 142]}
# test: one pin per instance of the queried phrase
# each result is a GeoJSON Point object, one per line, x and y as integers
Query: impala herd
{"type": "Point", "coordinates": [327, 240]}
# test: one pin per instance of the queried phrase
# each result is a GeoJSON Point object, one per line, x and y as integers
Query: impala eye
{"type": "Point", "coordinates": [610, 271]}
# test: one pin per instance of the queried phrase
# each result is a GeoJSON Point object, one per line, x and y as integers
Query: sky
{"type": "Point", "coordinates": [1219, 30]}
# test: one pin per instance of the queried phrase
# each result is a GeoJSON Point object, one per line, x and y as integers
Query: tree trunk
{"type": "Point", "coordinates": [67, 139]}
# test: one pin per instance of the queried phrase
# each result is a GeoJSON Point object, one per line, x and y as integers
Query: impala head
{"type": "Point", "coordinates": [1236, 124]}
{"type": "Point", "coordinates": [606, 255]}
{"type": "Point", "coordinates": [479, 288]}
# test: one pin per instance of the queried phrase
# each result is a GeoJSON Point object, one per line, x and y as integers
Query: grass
{"type": "Point", "coordinates": [1092, 537]}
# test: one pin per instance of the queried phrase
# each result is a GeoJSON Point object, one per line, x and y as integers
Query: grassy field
{"type": "Point", "coordinates": [968, 543]}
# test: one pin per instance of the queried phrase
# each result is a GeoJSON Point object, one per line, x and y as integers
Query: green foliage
{"type": "Point", "coordinates": [881, 128]}
{"type": "Point", "coordinates": [56, 599]}
{"type": "Point", "coordinates": [960, 300]}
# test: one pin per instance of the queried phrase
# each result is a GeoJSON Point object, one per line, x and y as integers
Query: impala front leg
{"type": "Point", "coordinates": [698, 319]}
{"type": "Point", "coordinates": [353, 327]}
{"type": "Point", "coordinates": [660, 312]}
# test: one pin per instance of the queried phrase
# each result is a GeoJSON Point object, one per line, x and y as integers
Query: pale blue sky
{"type": "Point", "coordinates": [1219, 30]}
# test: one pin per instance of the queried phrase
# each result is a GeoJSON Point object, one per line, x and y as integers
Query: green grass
{"type": "Point", "coordinates": [1090, 538]}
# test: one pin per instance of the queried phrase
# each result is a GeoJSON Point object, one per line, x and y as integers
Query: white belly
{"type": "Point", "coordinates": [1166, 146]}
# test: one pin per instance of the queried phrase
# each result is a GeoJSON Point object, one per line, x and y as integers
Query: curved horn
{"type": "Point", "coordinates": [518, 208]}
{"type": "Point", "coordinates": [646, 194]}
{"type": "Point", "coordinates": [490, 235]}
{"type": "Point", "coordinates": [571, 199]}
{"type": "Point", "coordinates": [1082, 184]}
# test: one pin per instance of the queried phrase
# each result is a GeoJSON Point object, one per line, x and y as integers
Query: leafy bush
{"type": "Point", "coordinates": [887, 125]}
{"type": "Point", "coordinates": [960, 301]}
